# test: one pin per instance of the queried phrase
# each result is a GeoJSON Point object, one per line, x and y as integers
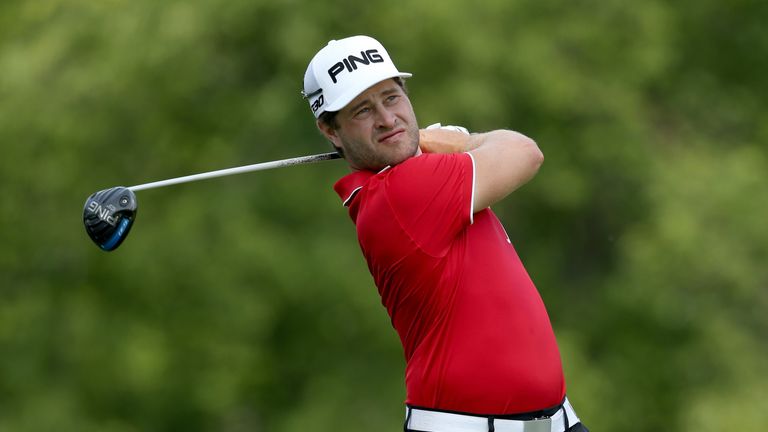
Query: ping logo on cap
{"type": "Point", "coordinates": [350, 63]}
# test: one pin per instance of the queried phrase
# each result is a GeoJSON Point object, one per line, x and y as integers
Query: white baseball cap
{"type": "Point", "coordinates": [343, 69]}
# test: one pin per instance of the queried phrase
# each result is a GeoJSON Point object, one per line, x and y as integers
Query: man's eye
{"type": "Point", "coordinates": [362, 111]}
{"type": "Point", "coordinates": [392, 99]}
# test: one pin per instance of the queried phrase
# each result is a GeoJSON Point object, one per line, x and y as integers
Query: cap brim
{"type": "Point", "coordinates": [354, 92]}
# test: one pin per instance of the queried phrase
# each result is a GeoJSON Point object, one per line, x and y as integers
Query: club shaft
{"type": "Point", "coordinates": [238, 170]}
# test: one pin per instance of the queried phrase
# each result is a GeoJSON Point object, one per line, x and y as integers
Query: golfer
{"type": "Point", "coordinates": [480, 351]}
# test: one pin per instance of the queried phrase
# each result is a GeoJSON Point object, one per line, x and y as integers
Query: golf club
{"type": "Point", "coordinates": [109, 214]}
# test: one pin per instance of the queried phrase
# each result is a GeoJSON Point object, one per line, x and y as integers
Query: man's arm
{"type": "Point", "coordinates": [504, 160]}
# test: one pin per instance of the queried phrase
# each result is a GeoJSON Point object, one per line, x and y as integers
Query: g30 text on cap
{"type": "Point", "coordinates": [343, 69]}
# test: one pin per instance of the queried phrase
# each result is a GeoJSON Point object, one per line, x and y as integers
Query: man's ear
{"type": "Point", "coordinates": [329, 132]}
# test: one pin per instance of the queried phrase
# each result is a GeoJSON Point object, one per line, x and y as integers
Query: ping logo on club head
{"type": "Point", "coordinates": [103, 212]}
{"type": "Point", "coordinates": [350, 62]}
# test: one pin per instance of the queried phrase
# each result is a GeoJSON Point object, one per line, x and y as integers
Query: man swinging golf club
{"type": "Point", "coordinates": [480, 350]}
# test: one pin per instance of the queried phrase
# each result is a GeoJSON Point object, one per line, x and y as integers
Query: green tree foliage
{"type": "Point", "coordinates": [243, 303]}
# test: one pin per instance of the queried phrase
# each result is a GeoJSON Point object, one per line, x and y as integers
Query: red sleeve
{"type": "Point", "coordinates": [431, 195]}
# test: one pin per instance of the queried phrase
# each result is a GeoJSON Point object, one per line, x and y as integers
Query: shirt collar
{"type": "Point", "coordinates": [349, 185]}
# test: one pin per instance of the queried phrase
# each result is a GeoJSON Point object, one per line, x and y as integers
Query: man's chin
{"type": "Point", "coordinates": [403, 157]}
{"type": "Point", "coordinates": [384, 160]}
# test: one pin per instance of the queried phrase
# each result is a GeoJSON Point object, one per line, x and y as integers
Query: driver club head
{"type": "Point", "coordinates": [108, 216]}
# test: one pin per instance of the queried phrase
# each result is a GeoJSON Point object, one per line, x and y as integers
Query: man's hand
{"type": "Point", "coordinates": [443, 140]}
{"type": "Point", "coordinates": [504, 160]}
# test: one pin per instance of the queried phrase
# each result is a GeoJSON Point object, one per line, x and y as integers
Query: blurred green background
{"type": "Point", "coordinates": [244, 304]}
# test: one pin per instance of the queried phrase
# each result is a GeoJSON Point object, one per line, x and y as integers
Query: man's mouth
{"type": "Point", "coordinates": [391, 135]}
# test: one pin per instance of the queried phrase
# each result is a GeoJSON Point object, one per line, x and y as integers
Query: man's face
{"type": "Point", "coordinates": [378, 128]}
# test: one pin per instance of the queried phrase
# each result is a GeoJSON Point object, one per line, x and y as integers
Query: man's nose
{"type": "Point", "coordinates": [385, 118]}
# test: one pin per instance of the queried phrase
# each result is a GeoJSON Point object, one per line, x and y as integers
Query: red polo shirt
{"type": "Point", "coordinates": [475, 333]}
